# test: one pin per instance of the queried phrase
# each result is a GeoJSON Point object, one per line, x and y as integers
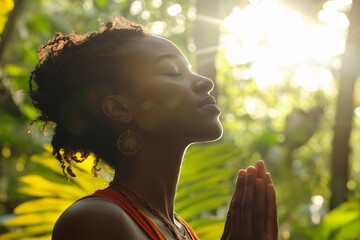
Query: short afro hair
{"type": "Point", "coordinates": [75, 72]}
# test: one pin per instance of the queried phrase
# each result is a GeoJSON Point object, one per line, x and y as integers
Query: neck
{"type": "Point", "coordinates": [153, 174]}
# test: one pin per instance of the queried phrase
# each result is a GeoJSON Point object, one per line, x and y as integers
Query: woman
{"type": "Point", "coordinates": [131, 100]}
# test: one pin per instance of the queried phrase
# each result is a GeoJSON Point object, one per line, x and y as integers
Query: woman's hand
{"type": "Point", "coordinates": [253, 213]}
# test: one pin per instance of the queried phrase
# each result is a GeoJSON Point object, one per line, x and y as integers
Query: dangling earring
{"type": "Point", "coordinates": [129, 143]}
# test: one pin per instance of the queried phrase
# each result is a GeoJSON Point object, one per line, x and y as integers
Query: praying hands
{"type": "Point", "coordinates": [253, 213]}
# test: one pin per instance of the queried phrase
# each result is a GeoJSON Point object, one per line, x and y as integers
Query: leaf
{"type": "Point", "coordinates": [29, 111]}
{"type": "Point", "coordinates": [40, 187]}
{"type": "Point", "coordinates": [350, 231]}
{"type": "Point", "coordinates": [211, 230]}
{"type": "Point", "coordinates": [341, 223]}
{"type": "Point", "coordinates": [205, 186]}
{"type": "Point", "coordinates": [101, 3]}
{"type": "Point", "coordinates": [210, 179]}
{"type": "Point", "coordinates": [34, 219]}
{"type": "Point", "coordinates": [42, 205]}
{"type": "Point", "coordinates": [6, 6]}
{"type": "Point", "coordinates": [343, 215]}
{"type": "Point", "coordinates": [3, 20]}
{"type": "Point", "coordinates": [26, 233]}
{"type": "Point", "coordinates": [39, 22]}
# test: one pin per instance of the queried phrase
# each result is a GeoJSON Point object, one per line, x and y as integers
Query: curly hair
{"type": "Point", "coordinates": [75, 72]}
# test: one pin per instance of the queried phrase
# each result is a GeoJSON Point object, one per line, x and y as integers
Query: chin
{"type": "Point", "coordinates": [216, 136]}
{"type": "Point", "coordinates": [211, 135]}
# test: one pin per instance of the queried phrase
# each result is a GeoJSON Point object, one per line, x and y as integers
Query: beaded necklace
{"type": "Point", "coordinates": [123, 189]}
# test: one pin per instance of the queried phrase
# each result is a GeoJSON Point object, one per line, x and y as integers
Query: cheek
{"type": "Point", "coordinates": [157, 104]}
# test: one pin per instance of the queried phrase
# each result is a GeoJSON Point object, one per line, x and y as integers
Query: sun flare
{"type": "Point", "coordinates": [278, 43]}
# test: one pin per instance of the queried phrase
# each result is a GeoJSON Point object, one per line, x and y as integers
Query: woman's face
{"type": "Point", "coordinates": [168, 100]}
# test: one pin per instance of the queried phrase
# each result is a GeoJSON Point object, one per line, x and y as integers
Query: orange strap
{"type": "Point", "coordinates": [191, 231]}
{"type": "Point", "coordinates": [143, 221]}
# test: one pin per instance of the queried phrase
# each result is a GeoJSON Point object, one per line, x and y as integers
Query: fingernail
{"type": "Point", "coordinates": [241, 173]}
{"type": "Point", "coordinates": [260, 163]}
{"type": "Point", "coordinates": [250, 170]}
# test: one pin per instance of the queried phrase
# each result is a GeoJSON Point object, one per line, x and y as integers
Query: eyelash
{"type": "Point", "coordinates": [174, 75]}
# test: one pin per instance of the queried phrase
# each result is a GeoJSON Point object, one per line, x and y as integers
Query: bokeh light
{"type": "Point", "coordinates": [174, 9]}
{"type": "Point", "coordinates": [277, 42]}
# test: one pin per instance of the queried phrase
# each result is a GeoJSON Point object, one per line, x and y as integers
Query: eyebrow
{"type": "Point", "coordinates": [164, 56]}
{"type": "Point", "coordinates": [170, 56]}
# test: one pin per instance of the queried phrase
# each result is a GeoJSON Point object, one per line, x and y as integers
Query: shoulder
{"type": "Point", "coordinates": [96, 218]}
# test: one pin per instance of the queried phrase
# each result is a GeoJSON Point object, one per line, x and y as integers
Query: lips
{"type": "Point", "coordinates": [208, 103]}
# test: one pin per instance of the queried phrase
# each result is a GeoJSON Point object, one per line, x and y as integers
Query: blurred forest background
{"type": "Point", "coordinates": [286, 76]}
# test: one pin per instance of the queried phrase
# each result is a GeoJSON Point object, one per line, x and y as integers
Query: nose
{"type": "Point", "coordinates": [203, 84]}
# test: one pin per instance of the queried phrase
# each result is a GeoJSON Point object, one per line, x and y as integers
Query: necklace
{"type": "Point", "coordinates": [123, 189]}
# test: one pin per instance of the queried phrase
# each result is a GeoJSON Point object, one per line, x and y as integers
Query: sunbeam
{"type": "Point", "coordinates": [278, 42]}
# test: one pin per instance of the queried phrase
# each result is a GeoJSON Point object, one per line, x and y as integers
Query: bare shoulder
{"type": "Point", "coordinates": [96, 218]}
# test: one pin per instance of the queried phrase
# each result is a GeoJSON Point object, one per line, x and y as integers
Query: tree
{"type": "Point", "coordinates": [344, 111]}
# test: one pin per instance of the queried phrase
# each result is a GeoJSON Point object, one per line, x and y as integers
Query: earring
{"type": "Point", "coordinates": [129, 143]}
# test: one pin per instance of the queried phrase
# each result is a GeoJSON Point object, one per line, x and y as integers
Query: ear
{"type": "Point", "coordinates": [116, 109]}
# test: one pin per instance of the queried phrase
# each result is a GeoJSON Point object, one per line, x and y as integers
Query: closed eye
{"type": "Point", "coordinates": [174, 75]}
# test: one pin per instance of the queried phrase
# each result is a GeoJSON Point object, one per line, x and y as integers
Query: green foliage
{"type": "Point", "coordinates": [287, 127]}
{"type": "Point", "coordinates": [299, 163]}
{"type": "Point", "coordinates": [341, 223]}
{"type": "Point", "coordinates": [203, 188]}
{"type": "Point", "coordinates": [6, 7]}
{"type": "Point", "coordinates": [51, 193]}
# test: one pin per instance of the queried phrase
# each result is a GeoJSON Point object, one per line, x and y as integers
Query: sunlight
{"type": "Point", "coordinates": [157, 27]}
{"type": "Point", "coordinates": [255, 107]}
{"type": "Point", "coordinates": [136, 7]}
{"type": "Point", "coordinates": [278, 42]}
{"type": "Point", "coordinates": [315, 208]}
{"type": "Point", "coordinates": [312, 78]}
{"type": "Point", "coordinates": [156, 3]}
{"type": "Point", "coordinates": [174, 9]}
{"type": "Point", "coordinates": [357, 111]}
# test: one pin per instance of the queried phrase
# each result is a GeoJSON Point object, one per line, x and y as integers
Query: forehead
{"type": "Point", "coordinates": [147, 52]}
{"type": "Point", "coordinates": [153, 48]}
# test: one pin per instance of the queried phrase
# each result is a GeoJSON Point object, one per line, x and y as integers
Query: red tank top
{"type": "Point", "coordinates": [142, 220]}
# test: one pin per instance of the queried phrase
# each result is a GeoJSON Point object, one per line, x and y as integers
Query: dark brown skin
{"type": "Point", "coordinates": [96, 218]}
{"type": "Point", "coordinates": [253, 212]}
{"type": "Point", "coordinates": [164, 109]}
